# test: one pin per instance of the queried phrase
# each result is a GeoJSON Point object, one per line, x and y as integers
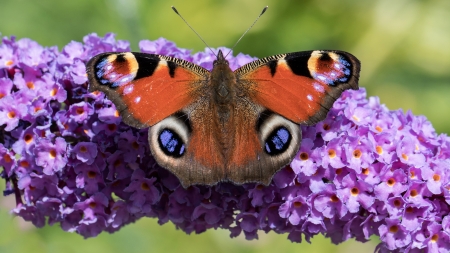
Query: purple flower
{"type": "Point", "coordinates": [69, 159]}
{"type": "Point", "coordinates": [79, 112]}
{"type": "Point", "coordinates": [144, 193]}
{"type": "Point", "coordinates": [295, 210]}
{"type": "Point", "coordinates": [304, 162]}
{"type": "Point", "coordinates": [436, 176]}
{"type": "Point", "coordinates": [89, 177]}
{"type": "Point", "coordinates": [393, 182]}
{"type": "Point", "coordinates": [407, 152]}
{"type": "Point", "coordinates": [51, 156]}
{"type": "Point", "coordinates": [332, 154]}
{"type": "Point", "coordinates": [329, 204]}
{"type": "Point", "coordinates": [394, 234]}
{"type": "Point", "coordinates": [6, 85]}
{"type": "Point", "coordinates": [85, 152]}
{"type": "Point", "coordinates": [355, 193]}
{"type": "Point", "coordinates": [11, 112]}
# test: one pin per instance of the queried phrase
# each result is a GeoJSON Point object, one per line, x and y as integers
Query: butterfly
{"type": "Point", "coordinates": [223, 125]}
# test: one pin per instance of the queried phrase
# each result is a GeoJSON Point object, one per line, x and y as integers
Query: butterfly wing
{"type": "Point", "coordinates": [300, 86]}
{"type": "Point", "coordinates": [170, 96]}
{"type": "Point", "coordinates": [146, 88]}
{"type": "Point", "coordinates": [289, 89]}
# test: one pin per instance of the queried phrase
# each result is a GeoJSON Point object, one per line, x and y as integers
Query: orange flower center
{"type": "Point", "coordinates": [357, 153]}
{"type": "Point", "coordinates": [391, 182]}
{"type": "Point", "coordinates": [145, 187]}
{"type": "Point", "coordinates": [354, 191]}
{"type": "Point", "coordinates": [435, 238]}
{"type": "Point", "coordinates": [334, 198]}
{"type": "Point", "coordinates": [112, 127]}
{"type": "Point", "coordinates": [24, 164]}
{"type": "Point", "coordinates": [11, 114]}
{"type": "Point", "coordinates": [91, 174]}
{"type": "Point", "coordinates": [297, 204]}
{"type": "Point", "coordinates": [7, 158]}
{"type": "Point", "coordinates": [304, 156]}
{"type": "Point", "coordinates": [379, 129]}
{"type": "Point", "coordinates": [135, 145]}
{"type": "Point", "coordinates": [79, 111]}
{"type": "Point", "coordinates": [331, 153]}
{"type": "Point", "coordinates": [117, 163]}
{"type": "Point", "coordinates": [393, 229]}
{"type": "Point", "coordinates": [436, 177]}
{"type": "Point", "coordinates": [405, 157]}
{"type": "Point", "coordinates": [379, 150]}
{"type": "Point", "coordinates": [52, 154]}
{"type": "Point", "coordinates": [53, 92]}
{"type": "Point", "coordinates": [30, 85]}
{"type": "Point", "coordinates": [365, 171]}
{"type": "Point", "coordinates": [413, 193]}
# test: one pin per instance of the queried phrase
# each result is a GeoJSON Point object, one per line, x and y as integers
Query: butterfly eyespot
{"type": "Point", "coordinates": [169, 138]}
{"type": "Point", "coordinates": [278, 141]}
{"type": "Point", "coordinates": [279, 137]}
{"type": "Point", "coordinates": [171, 143]}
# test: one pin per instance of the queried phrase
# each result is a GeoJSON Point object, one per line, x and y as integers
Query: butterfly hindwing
{"type": "Point", "coordinates": [300, 86]}
{"type": "Point", "coordinates": [146, 88]}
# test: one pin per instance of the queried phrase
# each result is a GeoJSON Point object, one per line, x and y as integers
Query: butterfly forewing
{"type": "Point", "coordinates": [146, 88]}
{"type": "Point", "coordinates": [300, 86]}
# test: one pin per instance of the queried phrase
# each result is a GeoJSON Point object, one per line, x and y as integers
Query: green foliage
{"type": "Point", "coordinates": [403, 46]}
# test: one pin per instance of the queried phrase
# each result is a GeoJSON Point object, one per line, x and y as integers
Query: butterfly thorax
{"type": "Point", "coordinates": [223, 104]}
{"type": "Point", "coordinates": [223, 85]}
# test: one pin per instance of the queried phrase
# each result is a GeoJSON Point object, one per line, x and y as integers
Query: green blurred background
{"type": "Point", "coordinates": [404, 47]}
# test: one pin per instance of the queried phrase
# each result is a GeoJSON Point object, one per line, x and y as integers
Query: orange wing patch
{"type": "Point", "coordinates": [151, 99]}
{"type": "Point", "coordinates": [293, 96]}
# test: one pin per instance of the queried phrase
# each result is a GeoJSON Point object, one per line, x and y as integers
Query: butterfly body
{"type": "Point", "coordinates": [240, 126]}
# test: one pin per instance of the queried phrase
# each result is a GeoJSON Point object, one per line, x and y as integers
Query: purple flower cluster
{"type": "Point", "coordinates": [69, 159]}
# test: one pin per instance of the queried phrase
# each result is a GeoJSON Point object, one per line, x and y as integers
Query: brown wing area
{"type": "Point", "coordinates": [300, 86]}
{"type": "Point", "coordinates": [217, 150]}
{"type": "Point", "coordinates": [232, 150]}
{"type": "Point", "coordinates": [202, 162]}
{"type": "Point", "coordinates": [146, 88]}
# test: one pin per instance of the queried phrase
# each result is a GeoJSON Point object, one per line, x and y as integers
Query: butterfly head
{"type": "Point", "coordinates": [220, 59]}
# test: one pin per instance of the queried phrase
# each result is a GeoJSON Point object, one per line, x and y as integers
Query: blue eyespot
{"type": "Point", "coordinates": [170, 143]}
{"type": "Point", "coordinates": [278, 141]}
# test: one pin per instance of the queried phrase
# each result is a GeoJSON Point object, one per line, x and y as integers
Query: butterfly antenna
{"type": "Point", "coordinates": [176, 11]}
{"type": "Point", "coordinates": [254, 22]}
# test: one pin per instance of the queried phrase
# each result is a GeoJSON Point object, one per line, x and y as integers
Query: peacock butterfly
{"type": "Point", "coordinates": [211, 126]}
